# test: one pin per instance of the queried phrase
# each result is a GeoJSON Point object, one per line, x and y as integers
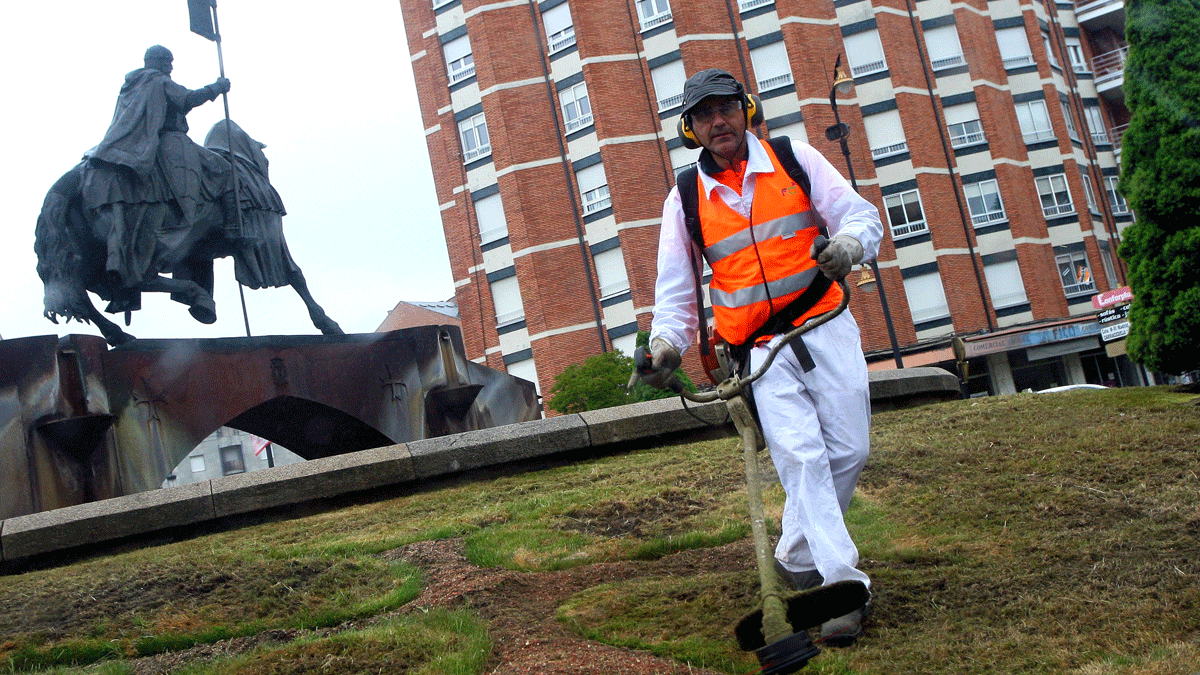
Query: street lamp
{"type": "Point", "coordinates": [842, 84]}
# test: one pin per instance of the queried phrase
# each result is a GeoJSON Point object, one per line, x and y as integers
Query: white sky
{"type": "Point", "coordinates": [327, 86]}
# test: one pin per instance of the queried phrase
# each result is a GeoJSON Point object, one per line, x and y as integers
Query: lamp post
{"type": "Point", "coordinates": [843, 83]}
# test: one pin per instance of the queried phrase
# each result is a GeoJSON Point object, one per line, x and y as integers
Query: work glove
{"type": "Point", "coordinates": [665, 359]}
{"type": "Point", "coordinates": [842, 253]}
{"type": "Point", "coordinates": [221, 86]}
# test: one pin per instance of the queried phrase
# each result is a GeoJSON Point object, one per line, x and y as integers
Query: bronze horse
{"type": "Point", "coordinates": [71, 247]}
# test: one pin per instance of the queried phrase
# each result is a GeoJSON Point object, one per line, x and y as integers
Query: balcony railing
{"type": "Point", "coordinates": [747, 5]}
{"type": "Point", "coordinates": [671, 102]}
{"type": "Point", "coordinates": [775, 82]}
{"type": "Point", "coordinates": [868, 68]}
{"type": "Point", "coordinates": [657, 20]}
{"type": "Point", "coordinates": [1110, 65]}
{"type": "Point", "coordinates": [1115, 135]}
{"type": "Point", "coordinates": [579, 122]}
{"type": "Point", "coordinates": [1019, 61]}
{"type": "Point", "coordinates": [948, 62]}
{"type": "Point", "coordinates": [561, 40]}
{"type": "Point", "coordinates": [462, 74]}
{"type": "Point", "coordinates": [477, 152]}
{"type": "Point", "coordinates": [1050, 211]}
{"type": "Point", "coordinates": [889, 150]}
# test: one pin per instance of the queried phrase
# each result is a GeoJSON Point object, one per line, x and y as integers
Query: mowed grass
{"type": "Point", "coordinates": [1018, 534]}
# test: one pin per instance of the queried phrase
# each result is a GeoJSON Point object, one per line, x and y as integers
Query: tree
{"type": "Point", "coordinates": [599, 382]}
{"type": "Point", "coordinates": [1160, 179]}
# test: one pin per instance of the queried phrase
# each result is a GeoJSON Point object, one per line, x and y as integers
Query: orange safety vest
{"type": "Point", "coordinates": [775, 242]}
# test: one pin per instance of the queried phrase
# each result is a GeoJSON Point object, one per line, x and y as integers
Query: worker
{"type": "Point", "coordinates": [758, 226]}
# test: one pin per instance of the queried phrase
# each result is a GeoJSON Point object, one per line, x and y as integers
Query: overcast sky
{"type": "Point", "coordinates": [327, 86]}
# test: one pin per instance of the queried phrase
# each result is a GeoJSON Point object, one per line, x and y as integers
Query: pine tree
{"type": "Point", "coordinates": [1160, 179]}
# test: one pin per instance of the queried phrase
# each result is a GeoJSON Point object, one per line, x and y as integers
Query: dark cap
{"type": "Point", "coordinates": [710, 82]}
{"type": "Point", "coordinates": [158, 53]}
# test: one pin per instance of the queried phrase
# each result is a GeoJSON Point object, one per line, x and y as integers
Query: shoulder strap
{"type": "Point", "coordinates": [688, 184]}
{"type": "Point", "coordinates": [782, 145]}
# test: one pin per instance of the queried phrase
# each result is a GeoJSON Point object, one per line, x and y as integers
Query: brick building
{"type": "Point", "coordinates": [986, 132]}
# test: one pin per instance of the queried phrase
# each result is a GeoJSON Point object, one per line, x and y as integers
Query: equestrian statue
{"type": "Point", "coordinates": [149, 210]}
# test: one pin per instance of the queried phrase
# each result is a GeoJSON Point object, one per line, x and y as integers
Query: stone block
{"type": "Point", "coordinates": [497, 445]}
{"type": "Point", "coordinates": [637, 421]}
{"type": "Point", "coordinates": [106, 520]}
{"type": "Point", "coordinates": [315, 479]}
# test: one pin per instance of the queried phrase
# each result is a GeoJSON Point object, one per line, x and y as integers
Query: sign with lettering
{"type": "Point", "coordinates": [1116, 296]}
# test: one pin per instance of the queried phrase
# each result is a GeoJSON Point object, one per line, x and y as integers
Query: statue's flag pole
{"type": "Point", "coordinates": [202, 15]}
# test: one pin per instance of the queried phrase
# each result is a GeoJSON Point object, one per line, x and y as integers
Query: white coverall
{"type": "Point", "coordinates": [816, 424]}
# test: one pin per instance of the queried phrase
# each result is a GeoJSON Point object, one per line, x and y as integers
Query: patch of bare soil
{"type": "Point", "coordinates": [519, 607]}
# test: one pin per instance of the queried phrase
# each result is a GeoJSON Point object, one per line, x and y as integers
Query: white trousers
{"type": "Point", "coordinates": [817, 426]}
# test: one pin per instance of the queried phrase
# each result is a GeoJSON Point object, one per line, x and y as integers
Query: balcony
{"type": "Point", "coordinates": [775, 82]}
{"type": "Point", "coordinates": [1109, 70]}
{"type": "Point", "coordinates": [1095, 15]}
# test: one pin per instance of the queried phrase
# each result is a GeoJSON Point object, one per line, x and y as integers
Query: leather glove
{"type": "Point", "coordinates": [842, 253]}
{"type": "Point", "coordinates": [665, 360]}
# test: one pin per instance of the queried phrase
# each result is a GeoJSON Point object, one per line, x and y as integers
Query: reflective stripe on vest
{"type": "Point", "coordinates": [776, 243]}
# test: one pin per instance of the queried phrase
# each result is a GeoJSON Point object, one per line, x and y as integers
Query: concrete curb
{"type": "Point", "coordinates": [140, 514]}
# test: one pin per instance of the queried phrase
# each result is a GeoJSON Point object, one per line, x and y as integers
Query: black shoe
{"type": "Point", "coordinates": [801, 581]}
{"type": "Point", "coordinates": [845, 629]}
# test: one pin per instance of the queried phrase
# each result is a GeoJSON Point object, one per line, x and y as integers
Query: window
{"type": "Point", "coordinates": [1034, 121]}
{"type": "Point", "coordinates": [1095, 122]}
{"type": "Point", "coordinates": [1075, 274]}
{"type": "Point", "coordinates": [747, 5]}
{"type": "Point", "coordinates": [945, 51]}
{"type": "Point", "coordinates": [1119, 205]}
{"type": "Point", "coordinates": [593, 188]}
{"type": "Point", "coordinates": [668, 84]}
{"type": "Point", "coordinates": [1014, 47]}
{"type": "Point", "coordinates": [577, 109]}
{"type": "Point", "coordinates": [652, 13]}
{"type": "Point", "coordinates": [1049, 51]}
{"type": "Point", "coordinates": [1005, 285]}
{"type": "Point", "coordinates": [560, 31]}
{"type": "Point", "coordinates": [231, 460]}
{"type": "Point", "coordinates": [885, 135]}
{"type": "Point", "coordinates": [926, 298]}
{"type": "Point", "coordinates": [1055, 196]}
{"type": "Point", "coordinates": [474, 134]}
{"type": "Point", "coordinates": [1088, 192]}
{"type": "Point", "coordinates": [1075, 54]}
{"type": "Point", "coordinates": [610, 271]}
{"type": "Point", "coordinates": [983, 200]}
{"type": "Point", "coordinates": [506, 297]}
{"type": "Point", "coordinates": [1069, 116]}
{"type": "Point", "coordinates": [682, 158]}
{"type": "Point", "coordinates": [1109, 269]}
{"type": "Point", "coordinates": [864, 53]}
{"type": "Point", "coordinates": [962, 121]}
{"type": "Point", "coordinates": [197, 463]}
{"type": "Point", "coordinates": [459, 64]}
{"type": "Point", "coordinates": [489, 212]}
{"type": "Point", "coordinates": [772, 69]}
{"type": "Point", "coordinates": [526, 370]}
{"type": "Point", "coordinates": [905, 214]}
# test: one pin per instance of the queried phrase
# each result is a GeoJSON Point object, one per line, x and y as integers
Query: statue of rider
{"type": "Point", "coordinates": [147, 183]}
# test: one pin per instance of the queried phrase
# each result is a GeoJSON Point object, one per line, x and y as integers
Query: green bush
{"type": "Point", "coordinates": [600, 382]}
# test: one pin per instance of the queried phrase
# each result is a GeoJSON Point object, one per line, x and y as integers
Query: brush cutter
{"type": "Point", "coordinates": [776, 630]}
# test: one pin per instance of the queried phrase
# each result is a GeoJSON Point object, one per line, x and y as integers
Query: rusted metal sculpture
{"type": "Point", "coordinates": [81, 422]}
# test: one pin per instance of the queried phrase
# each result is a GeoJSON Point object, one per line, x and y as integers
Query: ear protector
{"type": "Point", "coordinates": [752, 105]}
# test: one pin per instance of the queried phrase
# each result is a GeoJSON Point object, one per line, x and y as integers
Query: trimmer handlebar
{"type": "Point", "coordinates": [733, 386]}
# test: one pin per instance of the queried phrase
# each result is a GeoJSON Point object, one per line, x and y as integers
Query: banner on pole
{"type": "Point", "coordinates": [200, 16]}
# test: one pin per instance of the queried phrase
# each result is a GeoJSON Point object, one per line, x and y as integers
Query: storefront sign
{"type": "Point", "coordinates": [1004, 343]}
{"type": "Point", "coordinates": [1113, 315]}
{"type": "Point", "coordinates": [1114, 297]}
{"type": "Point", "coordinates": [1114, 331]}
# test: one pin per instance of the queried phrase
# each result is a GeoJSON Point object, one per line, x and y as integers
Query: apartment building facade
{"type": "Point", "coordinates": [986, 132]}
